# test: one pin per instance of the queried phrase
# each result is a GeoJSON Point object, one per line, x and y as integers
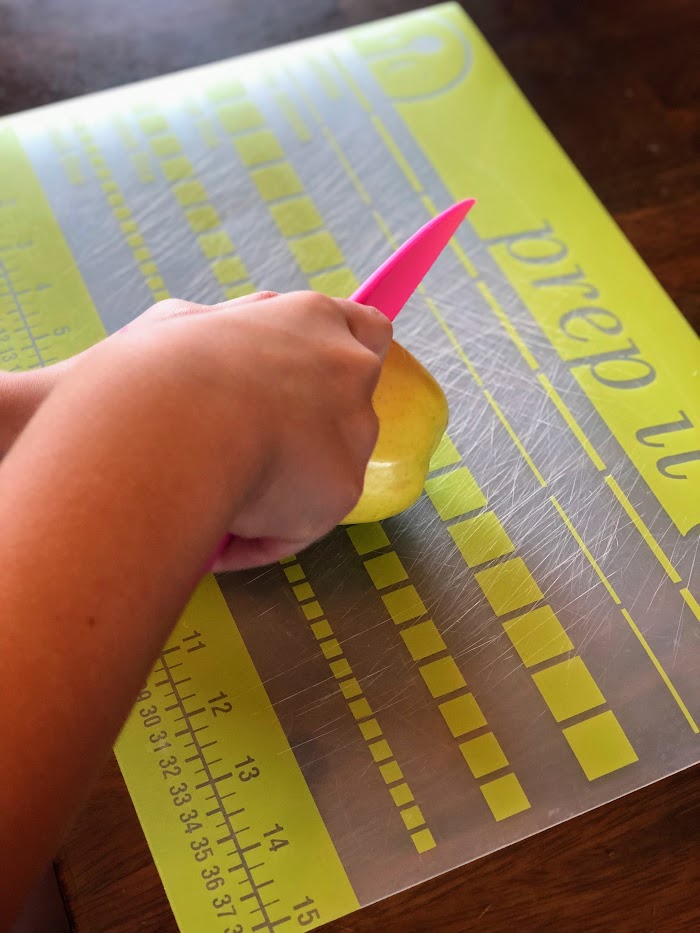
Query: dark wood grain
{"type": "Point", "coordinates": [617, 83]}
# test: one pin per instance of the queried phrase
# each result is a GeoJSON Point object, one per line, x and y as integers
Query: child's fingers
{"type": "Point", "coordinates": [244, 553]}
{"type": "Point", "coordinates": [367, 325]}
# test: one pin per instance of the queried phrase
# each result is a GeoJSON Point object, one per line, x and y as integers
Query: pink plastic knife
{"type": "Point", "coordinates": [389, 288]}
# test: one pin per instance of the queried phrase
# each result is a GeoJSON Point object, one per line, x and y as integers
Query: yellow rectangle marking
{"type": "Point", "coordinates": [370, 729]}
{"type": "Point", "coordinates": [193, 192]}
{"type": "Point", "coordinates": [152, 123]}
{"type": "Point", "coordinates": [155, 283]}
{"type": "Point", "coordinates": [568, 689]}
{"type": "Point", "coordinates": [454, 493]}
{"type": "Point", "coordinates": [505, 797]}
{"type": "Point", "coordinates": [178, 168]}
{"type": "Point", "coordinates": [508, 586]}
{"type": "Point", "coordinates": [115, 199]}
{"type": "Point", "coordinates": [289, 559]}
{"type": "Point", "coordinates": [341, 283]}
{"type": "Point", "coordinates": [423, 639]}
{"type": "Point", "coordinates": [538, 636]}
{"type": "Point", "coordinates": [215, 244]}
{"type": "Point", "coordinates": [203, 218]}
{"type": "Point", "coordinates": [293, 117]}
{"type": "Point", "coordinates": [349, 170]}
{"type": "Point", "coordinates": [398, 156]}
{"type": "Point", "coordinates": [303, 591]}
{"type": "Point", "coordinates": [507, 325]}
{"type": "Point", "coordinates": [423, 840]}
{"type": "Point", "coordinates": [691, 602]}
{"type": "Point", "coordinates": [312, 610]}
{"type": "Point", "coordinates": [442, 676]}
{"type": "Point", "coordinates": [481, 539]}
{"type": "Point", "coordinates": [238, 291]}
{"type": "Point", "coordinates": [239, 117]}
{"type": "Point", "coordinates": [514, 437]}
{"type": "Point", "coordinates": [659, 667]}
{"type": "Point", "coordinates": [412, 817]}
{"type": "Point", "coordinates": [391, 772]}
{"type": "Point", "coordinates": [256, 148]}
{"type": "Point", "coordinates": [571, 421]}
{"type": "Point", "coordinates": [148, 268]}
{"type": "Point", "coordinates": [340, 668]}
{"type": "Point", "coordinates": [642, 529]}
{"type": "Point", "coordinates": [445, 455]}
{"type": "Point", "coordinates": [331, 648]}
{"type": "Point", "coordinates": [229, 270]}
{"type": "Point", "coordinates": [316, 251]}
{"type": "Point", "coordinates": [483, 754]}
{"type": "Point", "coordinates": [350, 688]}
{"type": "Point", "coordinates": [276, 181]}
{"type": "Point", "coordinates": [321, 629]}
{"type": "Point", "coordinates": [165, 145]}
{"type": "Point", "coordinates": [360, 709]}
{"type": "Point", "coordinates": [122, 213]}
{"type": "Point", "coordinates": [223, 90]}
{"type": "Point", "coordinates": [401, 794]}
{"type": "Point", "coordinates": [591, 559]}
{"type": "Point", "coordinates": [299, 215]}
{"type": "Point", "coordinates": [385, 570]}
{"type": "Point", "coordinates": [142, 254]}
{"type": "Point", "coordinates": [161, 294]}
{"type": "Point", "coordinates": [600, 745]}
{"type": "Point", "coordinates": [367, 538]}
{"type": "Point", "coordinates": [462, 714]}
{"type": "Point", "coordinates": [134, 240]}
{"type": "Point", "coordinates": [404, 604]}
{"type": "Point", "coordinates": [294, 573]}
{"type": "Point", "coordinates": [380, 750]}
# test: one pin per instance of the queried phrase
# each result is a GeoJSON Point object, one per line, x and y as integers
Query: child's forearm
{"type": "Point", "coordinates": [119, 482]}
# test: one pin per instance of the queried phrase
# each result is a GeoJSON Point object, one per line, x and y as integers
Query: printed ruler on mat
{"type": "Point", "coordinates": [520, 646]}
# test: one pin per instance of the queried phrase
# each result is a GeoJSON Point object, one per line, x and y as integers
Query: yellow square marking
{"type": "Point", "coordinates": [228, 270]}
{"type": "Point", "coordinates": [385, 570]}
{"type": "Point", "coordinates": [404, 604]}
{"type": "Point", "coordinates": [288, 560]}
{"type": "Point", "coordinates": [370, 729]}
{"type": "Point", "coordinates": [239, 291]}
{"type": "Point", "coordinates": [538, 636]}
{"type": "Point", "coordinates": [236, 118]}
{"type": "Point", "coordinates": [153, 123]}
{"type": "Point", "coordinates": [340, 668]}
{"type": "Point", "coordinates": [294, 573]}
{"type": "Point", "coordinates": [177, 168]}
{"type": "Point", "coordinates": [193, 192]}
{"type": "Point", "coordinates": [322, 629]}
{"type": "Point", "coordinates": [508, 586]}
{"type": "Point", "coordinates": [215, 244]}
{"type": "Point", "coordinates": [391, 772]}
{"type": "Point", "coordinates": [505, 796]}
{"type": "Point", "coordinates": [455, 493]}
{"type": "Point", "coordinates": [161, 294]}
{"type": "Point", "coordinates": [277, 181]}
{"type": "Point", "coordinates": [350, 688]}
{"type": "Point", "coordinates": [422, 640]}
{"type": "Point", "coordinates": [203, 218]}
{"type": "Point", "coordinates": [568, 689]}
{"type": "Point", "coordinates": [166, 145]}
{"type": "Point", "coordinates": [103, 172]}
{"type": "Point", "coordinates": [360, 709]}
{"type": "Point", "coordinates": [462, 715]}
{"type": "Point", "coordinates": [303, 591]}
{"type": "Point", "coordinates": [367, 538]}
{"type": "Point", "coordinates": [412, 817]}
{"type": "Point", "coordinates": [380, 750]}
{"type": "Point", "coordinates": [296, 216]}
{"type": "Point", "coordinates": [259, 147]}
{"type": "Point", "coordinates": [149, 268]}
{"type": "Point", "coordinates": [312, 610]}
{"type": "Point", "coordinates": [338, 284]}
{"type": "Point", "coordinates": [121, 213]}
{"type": "Point", "coordinates": [331, 648]}
{"type": "Point", "coordinates": [423, 840]}
{"type": "Point", "coordinates": [129, 226]}
{"type": "Point", "coordinates": [481, 538]}
{"type": "Point", "coordinates": [224, 90]}
{"type": "Point", "coordinates": [442, 676]}
{"type": "Point", "coordinates": [155, 283]}
{"type": "Point", "coordinates": [115, 199]}
{"type": "Point", "coordinates": [142, 254]}
{"type": "Point", "coordinates": [445, 455]}
{"type": "Point", "coordinates": [134, 240]}
{"type": "Point", "coordinates": [483, 754]}
{"type": "Point", "coordinates": [401, 794]}
{"type": "Point", "coordinates": [600, 745]}
{"type": "Point", "coordinates": [316, 251]}
{"type": "Point", "coordinates": [110, 186]}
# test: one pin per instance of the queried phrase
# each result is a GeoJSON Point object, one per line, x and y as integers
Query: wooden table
{"type": "Point", "coordinates": [617, 82]}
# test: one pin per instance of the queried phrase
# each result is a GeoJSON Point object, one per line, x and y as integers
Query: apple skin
{"type": "Point", "coordinates": [413, 414]}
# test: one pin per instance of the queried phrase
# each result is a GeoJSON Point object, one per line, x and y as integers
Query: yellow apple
{"type": "Point", "coordinates": [412, 412]}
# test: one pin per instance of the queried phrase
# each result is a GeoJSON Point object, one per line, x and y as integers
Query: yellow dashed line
{"type": "Point", "coordinates": [351, 173]}
{"type": "Point", "coordinates": [398, 156]}
{"type": "Point", "coordinates": [293, 116]}
{"type": "Point", "coordinates": [571, 421]}
{"type": "Point", "coordinates": [591, 559]}
{"type": "Point", "coordinates": [691, 601]}
{"type": "Point", "coordinates": [516, 440]}
{"type": "Point", "coordinates": [352, 84]}
{"type": "Point", "coordinates": [507, 325]}
{"type": "Point", "coordinates": [642, 529]}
